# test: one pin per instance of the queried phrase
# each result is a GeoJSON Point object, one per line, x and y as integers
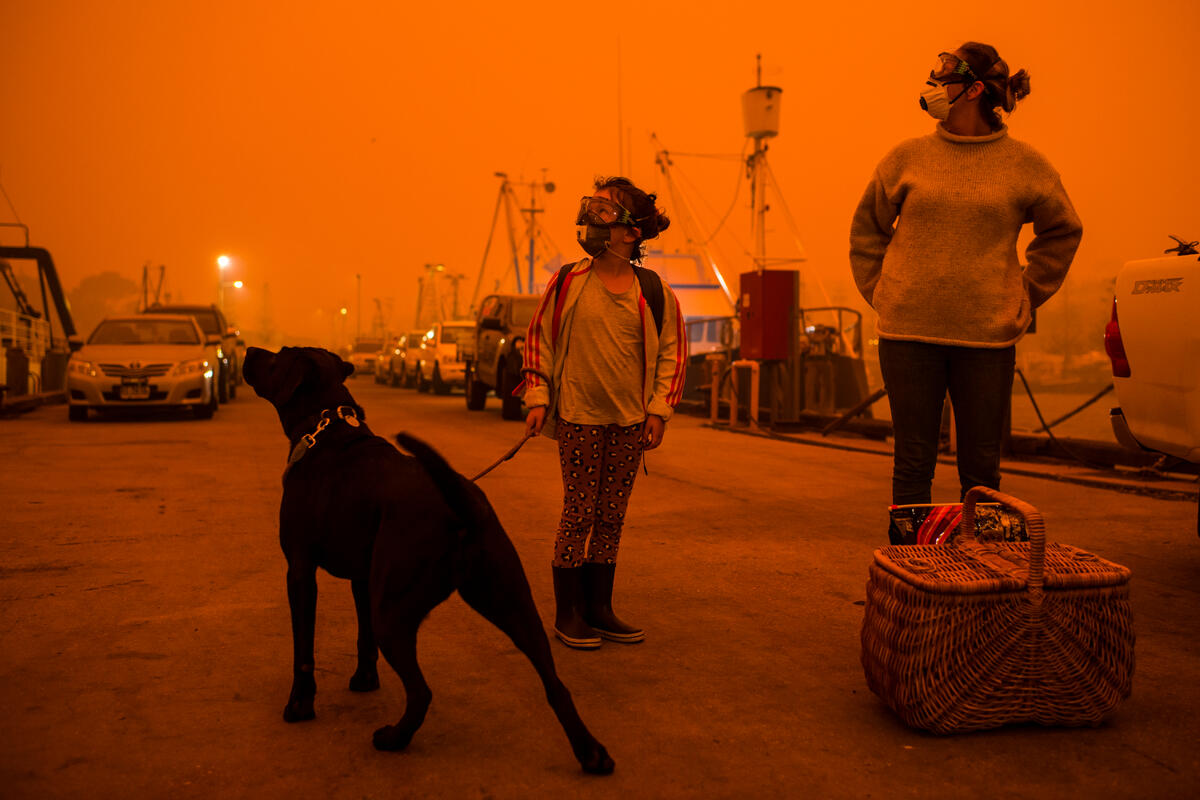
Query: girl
{"type": "Point", "coordinates": [604, 366]}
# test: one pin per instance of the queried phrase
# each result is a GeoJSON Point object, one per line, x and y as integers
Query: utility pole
{"type": "Point", "coordinates": [533, 211]}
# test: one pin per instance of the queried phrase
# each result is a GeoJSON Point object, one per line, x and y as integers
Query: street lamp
{"type": "Point", "coordinates": [223, 262]}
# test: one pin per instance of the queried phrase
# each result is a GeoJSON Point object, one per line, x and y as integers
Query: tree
{"type": "Point", "coordinates": [102, 295]}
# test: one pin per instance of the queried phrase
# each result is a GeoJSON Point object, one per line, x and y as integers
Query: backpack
{"type": "Point", "coordinates": [652, 290]}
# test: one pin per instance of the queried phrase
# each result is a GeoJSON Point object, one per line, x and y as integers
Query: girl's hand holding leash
{"type": "Point", "coordinates": [535, 421]}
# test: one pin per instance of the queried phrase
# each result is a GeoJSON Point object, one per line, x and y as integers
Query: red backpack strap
{"type": "Point", "coordinates": [560, 298]}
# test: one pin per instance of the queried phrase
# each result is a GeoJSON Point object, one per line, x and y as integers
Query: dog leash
{"type": "Point", "coordinates": [512, 452]}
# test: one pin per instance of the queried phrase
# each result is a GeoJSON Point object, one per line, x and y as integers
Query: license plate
{"type": "Point", "coordinates": [134, 391]}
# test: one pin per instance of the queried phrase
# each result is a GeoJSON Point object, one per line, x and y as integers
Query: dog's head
{"type": "Point", "coordinates": [299, 381]}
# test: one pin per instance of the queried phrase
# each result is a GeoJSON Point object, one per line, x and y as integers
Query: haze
{"type": "Point", "coordinates": [312, 145]}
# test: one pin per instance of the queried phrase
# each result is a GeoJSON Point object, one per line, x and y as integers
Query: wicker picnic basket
{"type": "Point", "coordinates": [975, 635]}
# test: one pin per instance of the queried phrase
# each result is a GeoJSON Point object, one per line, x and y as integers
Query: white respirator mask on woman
{"type": "Point", "coordinates": [933, 99]}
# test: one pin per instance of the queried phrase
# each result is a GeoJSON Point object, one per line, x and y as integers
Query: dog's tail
{"type": "Point", "coordinates": [453, 487]}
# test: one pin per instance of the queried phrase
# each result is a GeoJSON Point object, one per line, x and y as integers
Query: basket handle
{"type": "Point", "coordinates": [1034, 525]}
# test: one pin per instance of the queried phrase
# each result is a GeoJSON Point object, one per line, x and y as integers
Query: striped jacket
{"type": "Point", "coordinates": [664, 358]}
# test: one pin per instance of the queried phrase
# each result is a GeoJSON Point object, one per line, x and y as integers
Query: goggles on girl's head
{"type": "Point", "coordinates": [952, 69]}
{"type": "Point", "coordinates": [603, 211]}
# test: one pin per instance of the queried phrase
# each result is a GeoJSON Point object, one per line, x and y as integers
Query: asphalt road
{"type": "Point", "coordinates": [145, 643]}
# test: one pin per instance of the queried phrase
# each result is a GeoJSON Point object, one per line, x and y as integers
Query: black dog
{"type": "Point", "coordinates": [406, 532]}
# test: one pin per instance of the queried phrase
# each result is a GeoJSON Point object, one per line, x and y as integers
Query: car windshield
{"type": "Point", "coordinates": [523, 311]}
{"type": "Point", "coordinates": [457, 335]}
{"type": "Point", "coordinates": [144, 331]}
{"type": "Point", "coordinates": [368, 347]}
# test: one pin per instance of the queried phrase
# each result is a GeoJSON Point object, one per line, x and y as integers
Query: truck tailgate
{"type": "Point", "coordinates": [1158, 308]}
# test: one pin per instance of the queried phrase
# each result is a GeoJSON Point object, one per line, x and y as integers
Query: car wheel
{"type": "Point", "coordinates": [439, 386]}
{"type": "Point", "coordinates": [222, 385]}
{"type": "Point", "coordinates": [510, 407]}
{"type": "Point", "coordinates": [203, 411]}
{"type": "Point", "coordinates": [393, 379]}
{"type": "Point", "coordinates": [422, 384]}
{"type": "Point", "coordinates": [476, 392]}
{"type": "Point", "coordinates": [77, 413]}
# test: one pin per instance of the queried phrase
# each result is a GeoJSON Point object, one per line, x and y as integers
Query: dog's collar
{"type": "Point", "coordinates": [309, 440]}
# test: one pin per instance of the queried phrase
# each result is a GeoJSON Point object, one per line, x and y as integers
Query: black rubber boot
{"type": "Point", "coordinates": [569, 627]}
{"type": "Point", "coordinates": [598, 583]}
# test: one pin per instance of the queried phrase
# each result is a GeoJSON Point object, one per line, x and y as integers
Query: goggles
{"type": "Point", "coordinates": [952, 69]}
{"type": "Point", "coordinates": [603, 211]}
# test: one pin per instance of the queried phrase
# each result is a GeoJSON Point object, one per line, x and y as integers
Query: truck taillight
{"type": "Point", "coordinates": [1115, 347]}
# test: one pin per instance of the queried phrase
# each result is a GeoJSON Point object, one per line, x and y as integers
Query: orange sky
{"type": "Point", "coordinates": [313, 144]}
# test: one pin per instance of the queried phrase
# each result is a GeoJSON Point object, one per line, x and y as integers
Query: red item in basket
{"type": "Point", "coordinates": [937, 523]}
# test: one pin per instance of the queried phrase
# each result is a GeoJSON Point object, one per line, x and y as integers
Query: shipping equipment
{"type": "Point", "coordinates": [33, 360]}
{"type": "Point", "coordinates": [809, 361]}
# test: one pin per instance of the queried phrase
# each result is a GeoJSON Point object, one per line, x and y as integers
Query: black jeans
{"type": "Point", "coordinates": [917, 376]}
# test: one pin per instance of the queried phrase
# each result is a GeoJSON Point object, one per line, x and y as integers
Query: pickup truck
{"type": "Point", "coordinates": [500, 329]}
{"type": "Point", "coordinates": [1153, 342]}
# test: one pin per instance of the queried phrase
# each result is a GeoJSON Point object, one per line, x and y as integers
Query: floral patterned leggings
{"type": "Point", "coordinates": [599, 463]}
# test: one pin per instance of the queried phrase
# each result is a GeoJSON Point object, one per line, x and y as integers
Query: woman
{"type": "Point", "coordinates": [604, 365]}
{"type": "Point", "coordinates": [933, 250]}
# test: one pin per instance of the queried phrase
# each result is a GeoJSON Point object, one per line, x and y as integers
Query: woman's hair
{"type": "Point", "coordinates": [648, 219]}
{"type": "Point", "coordinates": [1001, 90]}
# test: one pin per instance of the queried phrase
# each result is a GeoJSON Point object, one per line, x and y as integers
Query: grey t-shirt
{"type": "Point", "coordinates": [602, 374]}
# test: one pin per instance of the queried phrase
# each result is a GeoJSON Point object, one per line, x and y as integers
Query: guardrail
{"type": "Point", "coordinates": [24, 342]}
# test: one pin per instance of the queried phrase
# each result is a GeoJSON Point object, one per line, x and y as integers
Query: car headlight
{"type": "Point", "coordinates": [81, 367]}
{"type": "Point", "coordinates": [189, 367]}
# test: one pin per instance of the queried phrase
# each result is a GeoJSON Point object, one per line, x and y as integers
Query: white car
{"type": "Point", "coordinates": [445, 350]}
{"type": "Point", "coordinates": [363, 354]}
{"type": "Point", "coordinates": [147, 360]}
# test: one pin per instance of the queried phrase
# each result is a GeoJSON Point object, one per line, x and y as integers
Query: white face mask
{"type": "Point", "coordinates": [933, 100]}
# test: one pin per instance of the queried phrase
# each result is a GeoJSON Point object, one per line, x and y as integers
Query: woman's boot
{"type": "Point", "coordinates": [598, 581]}
{"type": "Point", "coordinates": [569, 626]}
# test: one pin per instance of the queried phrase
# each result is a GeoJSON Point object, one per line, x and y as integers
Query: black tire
{"type": "Point", "coordinates": [476, 392]}
{"type": "Point", "coordinates": [410, 378]}
{"type": "Point", "coordinates": [203, 412]}
{"type": "Point", "coordinates": [422, 386]}
{"type": "Point", "coordinates": [223, 385]}
{"type": "Point", "coordinates": [439, 386]}
{"type": "Point", "coordinates": [510, 407]}
{"type": "Point", "coordinates": [77, 413]}
{"type": "Point", "coordinates": [393, 379]}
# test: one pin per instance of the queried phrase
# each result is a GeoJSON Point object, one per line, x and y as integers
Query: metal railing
{"type": "Point", "coordinates": [31, 336]}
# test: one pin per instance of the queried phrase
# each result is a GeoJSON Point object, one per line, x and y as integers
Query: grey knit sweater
{"type": "Point", "coordinates": [933, 244]}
